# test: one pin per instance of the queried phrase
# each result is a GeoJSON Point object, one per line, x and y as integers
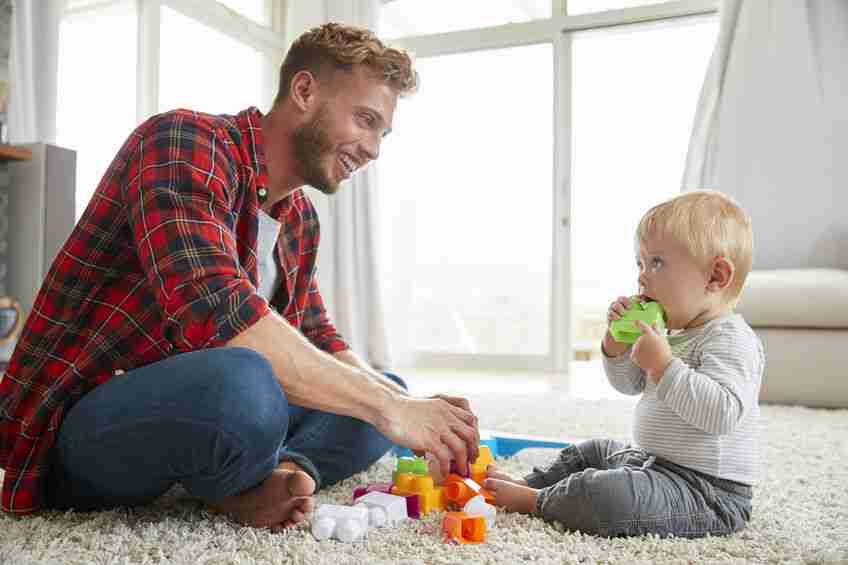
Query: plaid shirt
{"type": "Point", "coordinates": [163, 261]}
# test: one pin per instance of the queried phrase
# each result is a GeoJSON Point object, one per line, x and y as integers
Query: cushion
{"type": "Point", "coordinates": [798, 298]}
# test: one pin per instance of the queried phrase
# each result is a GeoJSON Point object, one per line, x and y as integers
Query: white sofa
{"type": "Point", "coordinates": [801, 315]}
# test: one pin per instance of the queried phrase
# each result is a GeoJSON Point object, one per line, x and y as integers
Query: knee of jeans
{"type": "Point", "coordinates": [250, 403]}
{"type": "Point", "coordinates": [396, 379]}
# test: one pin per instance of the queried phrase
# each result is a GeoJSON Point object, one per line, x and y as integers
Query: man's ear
{"type": "Point", "coordinates": [722, 274]}
{"type": "Point", "coordinates": [304, 90]}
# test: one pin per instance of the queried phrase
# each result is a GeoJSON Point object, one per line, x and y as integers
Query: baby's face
{"type": "Point", "coordinates": [670, 275]}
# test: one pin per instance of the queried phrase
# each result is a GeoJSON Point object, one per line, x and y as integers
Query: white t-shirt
{"type": "Point", "coordinates": [266, 251]}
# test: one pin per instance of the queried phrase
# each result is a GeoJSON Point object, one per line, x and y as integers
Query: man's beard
{"type": "Point", "coordinates": [311, 144]}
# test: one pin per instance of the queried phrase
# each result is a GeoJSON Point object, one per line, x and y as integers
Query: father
{"type": "Point", "coordinates": [180, 335]}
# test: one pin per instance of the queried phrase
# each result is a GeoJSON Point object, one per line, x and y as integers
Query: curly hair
{"type": "Point", "coordinates": [334, 46]}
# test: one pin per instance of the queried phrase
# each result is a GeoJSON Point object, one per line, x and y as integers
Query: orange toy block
{"type": "Point", "coordinates": [430, 496]}
{"type": "Point", "coordinates": [464, 528]}
{"type": "Point", "coordinates": [459, 491]}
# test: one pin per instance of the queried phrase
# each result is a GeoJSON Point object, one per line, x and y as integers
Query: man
{"type": "Point", "coordinates": [152, 355]}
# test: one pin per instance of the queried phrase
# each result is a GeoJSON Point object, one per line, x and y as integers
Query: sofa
{"type": "Point", "coordinates": [801, 316]}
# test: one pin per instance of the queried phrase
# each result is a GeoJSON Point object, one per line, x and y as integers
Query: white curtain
{"type": "Point", "coordinates": [771, 128]}
{"type": "Point", "coordinates": [348, 268]}
{"type": "Point", "coordinates": [34, 63]}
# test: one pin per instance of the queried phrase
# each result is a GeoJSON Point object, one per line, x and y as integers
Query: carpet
{"type": "Point", "coordinates": [800, 509]}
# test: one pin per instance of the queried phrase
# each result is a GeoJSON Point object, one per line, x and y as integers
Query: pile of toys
{"type": "Point", "coordinates": [414, 492]}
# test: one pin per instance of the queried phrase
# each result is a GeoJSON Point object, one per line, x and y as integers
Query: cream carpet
{"type": "Point", "coordinates": [800, 509]}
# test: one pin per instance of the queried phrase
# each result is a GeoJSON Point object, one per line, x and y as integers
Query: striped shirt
{"type": "Point", "coordinates": [704, 412]}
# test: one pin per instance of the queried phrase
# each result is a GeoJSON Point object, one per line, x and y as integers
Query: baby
{"type": "Point", "coordinates": [690, 471]}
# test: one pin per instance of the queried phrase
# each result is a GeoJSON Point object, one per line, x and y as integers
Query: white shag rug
{"type": "Point", "coordinates": [800, 509]}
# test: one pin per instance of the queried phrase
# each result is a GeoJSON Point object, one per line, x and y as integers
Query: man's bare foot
{"type": "Point", "coordinates": [512, 496]}
{"type": "Point", "coordinates": [493, 472]}
{"type": "Point", "coordinates": [281, 501]}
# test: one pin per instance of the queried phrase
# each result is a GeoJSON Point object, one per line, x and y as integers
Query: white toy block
{"type": "Point", "coordinates": [478, 505]}
{"type": "Point", "coordinates": [344, 523]}
{"type": "Point", "coordinates": [383, 509]}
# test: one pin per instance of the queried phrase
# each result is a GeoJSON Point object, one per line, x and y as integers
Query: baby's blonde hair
{"type": "Point", "coordinates": [709, 224]}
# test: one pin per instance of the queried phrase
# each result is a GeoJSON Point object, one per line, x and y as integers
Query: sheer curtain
{"type": "Point", "coordinates": [33, 70]}
{"type": "Point", "coordinates": [771, 128]}
{"type": "Point", "coordinates": [348, 255]}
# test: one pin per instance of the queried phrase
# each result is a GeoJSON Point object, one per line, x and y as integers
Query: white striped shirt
{"type": "Point", "coordinates": [704, 413]}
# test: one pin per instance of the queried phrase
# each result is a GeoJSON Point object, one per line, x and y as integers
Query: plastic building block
{"type": "Point", "coordinates": [478, 468]}
{"type": "Point", "coordinates": [464, 528]}
{"type": "Point", "coordinates": [626, 330]}
{"type": "Point", "coordinates": [411, 465]}
{"type": "Point", "coordinates": [383, 509]}
{"type": "Point", "coordinates": [459, 491]}
{"type": "Point", "coordinates": [344, 523]}
{"type": "Point", "coordinates": [429, 495]}
{"type": "Point", "coordinates": [477, 505]}
{"type": "Point", "coordinates": [413, 505]}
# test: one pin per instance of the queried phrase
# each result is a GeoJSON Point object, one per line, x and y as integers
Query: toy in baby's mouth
{"type": "Point", "coordinates": [626, 330]}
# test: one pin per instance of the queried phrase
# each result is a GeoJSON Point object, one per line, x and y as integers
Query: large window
{"type": "Point", "coordinates": [512, 185]}
{"type": "Point", "coordinates": [123, 60]}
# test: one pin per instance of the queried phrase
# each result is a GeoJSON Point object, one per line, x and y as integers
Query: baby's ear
{"type": "Point", "coordinates": [722, 274]}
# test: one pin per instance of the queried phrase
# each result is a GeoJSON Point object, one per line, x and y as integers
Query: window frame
{"type": "Point", "coordinates": [558, 31]}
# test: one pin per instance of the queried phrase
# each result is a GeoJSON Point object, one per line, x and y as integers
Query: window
{"type": "Point", "coordinates": [511, 186]}
{"type": "Point", "coordinates": [118, 66]}
{"type": "Point", "coordinates": [634, 100]}
{"type": "Point", "coordinates": [415, 17]}
{"type": "Point", "coordinates": [465, 184]}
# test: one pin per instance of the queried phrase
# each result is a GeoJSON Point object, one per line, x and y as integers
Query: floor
{"type": "Point", "coordinates": [585, 381]}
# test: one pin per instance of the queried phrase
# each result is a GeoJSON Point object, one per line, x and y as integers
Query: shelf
{"type": "Point", "coordinates": [12, 153]}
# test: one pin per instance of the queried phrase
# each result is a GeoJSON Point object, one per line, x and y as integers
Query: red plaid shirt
{"type": "Point", "coordinates": [163, 261]}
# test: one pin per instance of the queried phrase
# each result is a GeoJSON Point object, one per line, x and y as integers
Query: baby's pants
{"type": "Point", "coordinates": [606, 488]}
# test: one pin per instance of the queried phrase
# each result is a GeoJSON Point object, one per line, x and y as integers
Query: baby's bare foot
{"type": "Point", "coordinates": [493, 472]}
{"type": "Point", "coordinates": [512, 496]}
{"type": "Point", "coordinates": [280, 502]}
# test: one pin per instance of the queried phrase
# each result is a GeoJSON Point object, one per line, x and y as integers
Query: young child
{"type": "Point", "coordinates": [695, 459]}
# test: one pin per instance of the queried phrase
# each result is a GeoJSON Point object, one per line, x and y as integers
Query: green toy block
{"type": "Point", "coordinates": [414, 465]}
{"type": "Point", "coordinates": [625, 329]}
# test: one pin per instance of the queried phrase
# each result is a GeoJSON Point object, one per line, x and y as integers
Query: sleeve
{"type": "Point", "coordinates": [317, 326]}
{"type": "Point", "coordinates": [717, 395]}
{"type": "Point", "coordinates": [623, 374]}
{"type": "Point", "coordinates": [179, 191]}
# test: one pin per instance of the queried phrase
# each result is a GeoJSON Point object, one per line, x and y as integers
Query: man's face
{"type": "Point", "coordinates": [353, 113]}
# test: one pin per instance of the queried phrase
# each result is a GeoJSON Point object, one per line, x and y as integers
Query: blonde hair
{"type": "Point", "coordinates": [331, 47]}
{"type": "Point", "coordinates": [709, 224]}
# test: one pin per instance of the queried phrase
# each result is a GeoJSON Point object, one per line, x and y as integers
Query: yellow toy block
{"type": "Point", "coordinates": [478, 468]}
{"type": "Point", "coordinates": [430, 496]}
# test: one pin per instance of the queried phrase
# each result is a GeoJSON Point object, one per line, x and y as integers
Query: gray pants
{"type": "Point", "coordinates": [606, 488]}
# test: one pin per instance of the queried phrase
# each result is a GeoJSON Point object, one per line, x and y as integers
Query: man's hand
{"type": "Point", "coordinates": [651, 352]}
{"type": "Point", "coordinates": [442, 425]}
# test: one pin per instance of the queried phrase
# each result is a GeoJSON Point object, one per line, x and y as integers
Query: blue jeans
{"type": "Point", "coordinates": [216, 421]}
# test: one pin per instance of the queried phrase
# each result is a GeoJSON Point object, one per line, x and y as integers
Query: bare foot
{"type": "Point", "coordinates": [493, 472]}
{"type": "Point", "coordinates": [512, 496]}
{"type": "Point", "coordinates": [281, 501]}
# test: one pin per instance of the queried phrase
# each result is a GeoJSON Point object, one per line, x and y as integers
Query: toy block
{"type": "Point", "coordinates": [383, 509]}
{"type": "Point", "coordinates": [626, 330]}
{"type": "Point", "coordinates": [477, 505]}
{"type": "Point", "coordinates": [459, 491]}
{"type": "Point", "coordinates": [344, 523]}
{"type": "Point", "coordinates": [411, 465]}
{"type": "Point", "coordinates": [430, 496]}
{"type": "Point", "coordinates": [464, 528]}
{"type": "Point", "coordinates": [413, 505]}
{"type": "Point", "coordinates": [478, 468]}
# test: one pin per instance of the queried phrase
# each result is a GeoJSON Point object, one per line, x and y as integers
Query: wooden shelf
{"type": "Point", "coordinates": [12, 153]}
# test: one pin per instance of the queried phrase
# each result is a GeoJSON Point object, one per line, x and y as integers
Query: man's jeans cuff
{"type": "Point", "coordinates": [304, 463]}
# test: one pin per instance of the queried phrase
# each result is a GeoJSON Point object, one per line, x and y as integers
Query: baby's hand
{"type": "Point", "coordinates": [651, 352]}
{"type": "Point", "coordinates": [610, 347]}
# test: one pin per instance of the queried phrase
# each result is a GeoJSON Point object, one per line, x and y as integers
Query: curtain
{"type": "Point", "coordinates": [348, 254]}
{"type": "Point", "coordinates": [771, 127]}
{"type": "Point", "coordinates": [33, 70]}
